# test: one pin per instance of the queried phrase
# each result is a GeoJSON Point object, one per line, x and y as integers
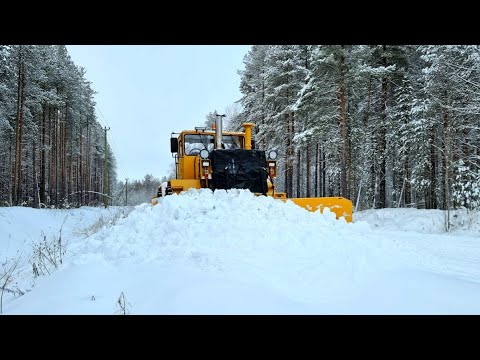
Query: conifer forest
{"type": "Point", "coordinates": [382, 125]}
{"type": "Point", "coordinates": [52, 147]}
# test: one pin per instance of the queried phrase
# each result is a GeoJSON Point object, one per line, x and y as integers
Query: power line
{"type": "Point", "coordinates": [101, 114]}
{"type": "Point", "coordinates": [113, 143]}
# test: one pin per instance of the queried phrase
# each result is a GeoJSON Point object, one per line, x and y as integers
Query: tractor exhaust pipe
{"type": "Point", "coordinates": [218, 131]}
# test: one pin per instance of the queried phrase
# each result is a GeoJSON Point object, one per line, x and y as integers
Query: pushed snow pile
{"type": "Point", "coordinates": [235, 231]}
{"type": "Point", "coordinates": [233, 219]}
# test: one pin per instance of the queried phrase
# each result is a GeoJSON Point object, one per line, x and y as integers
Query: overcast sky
{"type": "Point", "coordinates": [144, 93]}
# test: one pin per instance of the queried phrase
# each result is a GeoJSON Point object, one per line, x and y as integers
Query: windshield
{"type": "Point", "coordinates": [194, 143]}
{"type": "Point", "coordinates": [231, 142]}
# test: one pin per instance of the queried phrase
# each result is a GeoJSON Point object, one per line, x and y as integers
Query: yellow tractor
{"type": "Point", "coordinates": [226, 160]}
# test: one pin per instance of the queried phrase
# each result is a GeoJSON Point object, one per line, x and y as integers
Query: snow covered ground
{"type": "Point", "coordinates": [234, 253]}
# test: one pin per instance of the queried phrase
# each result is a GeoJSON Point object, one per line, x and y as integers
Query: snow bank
{"type": "Point", "coordinates": [462, 221]}
{"type": "Point", "coordinates": [22, 226]}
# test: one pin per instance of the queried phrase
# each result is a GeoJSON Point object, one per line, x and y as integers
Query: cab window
{"type": "Point", "coordinates": [232, 142]}
{"type": "Point", "coordinates": [194, 143]}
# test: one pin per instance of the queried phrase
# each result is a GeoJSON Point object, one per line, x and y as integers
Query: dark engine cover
{"type": "Point", "coordinates": [239, 169]}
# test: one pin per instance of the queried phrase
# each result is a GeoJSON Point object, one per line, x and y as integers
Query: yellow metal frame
{"type": "Point", "coordinates": [338, 205]}
{"type": "Point", "coordinates": [179, 185]}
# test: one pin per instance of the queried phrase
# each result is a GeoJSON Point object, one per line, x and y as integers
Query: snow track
{"type": "Point", "coordinates": [231, 252]}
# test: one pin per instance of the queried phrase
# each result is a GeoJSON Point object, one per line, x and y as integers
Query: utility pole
{"type": "Point", "coordinates": [105, 171]}
{"type": "Point", "coordinates": [126, 192]}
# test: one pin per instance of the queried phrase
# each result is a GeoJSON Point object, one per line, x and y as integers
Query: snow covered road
{"type": "Point", "coordinates": [233, 253]}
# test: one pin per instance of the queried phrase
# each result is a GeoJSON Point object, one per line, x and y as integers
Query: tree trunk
{"type": "Point", "coordinates": [87, 170]}
{"type": "Point", "coordinates": [60, 168]}
{"type": "Point", "coordinates": [34, 175]}
{"type": "Point", "coordinates": [444, 156]}
{"type": "Point", "coordinates": [342, 123]}
{"type": "Point", "coordinates": [432, 203]}
{"type": "Point", "coordinates": [381, 144]}
{"type": "Point", "coordinates": [42, 155]}
{"type": "Point", "coordinates": [290, 173]}
{"type": "Point", "coordinates": [307, 149]}
{"type": "Point", "coordinates": [18, 131]}
{"type": "Point", "coordinates": [55, 169]}
{"type": "Point", "coordinates": [323, 169]}
{"type": "Point", "coordinates": [287, 154]}
{"type": "Point", "coordinates": [63, 128]}
{"type": "Point", "coordinates": [299, 170]}
{"type": "Point", "coordinates": [49, 168]}
{"type": "Point", "coordinates": [70, 170]}
{"type": "Point", "coordinates": [81, 169]}
{"type": "Point", "coordinates": [406, 174]}
{"type": "Point", "coordinates": [3, 172]}
{"type": "Point", "coordinates": [369, 185]}
{"type": "Point", "coordinates": [12, 171]}
{"type": "Point", "coordinates": [317, 169]}
{"type": "Point", "coordinates": [77, 173]}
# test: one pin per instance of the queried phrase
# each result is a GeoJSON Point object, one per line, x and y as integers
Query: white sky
{"type": "Point", "coordinates": [144, 93]}
{"type": "Point", "coordinates": [198, 253]}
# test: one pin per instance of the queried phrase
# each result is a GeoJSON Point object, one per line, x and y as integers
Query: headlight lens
{"type": "Point", "coordinates": [272, 155]}
{"type": "Point", "coordinates": [204, 154]}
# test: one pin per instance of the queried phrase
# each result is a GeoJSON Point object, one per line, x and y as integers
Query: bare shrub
{"type": "Point", "coordinates": [10, 268]}
{"type": "Point", "coordinates": [104, 221]}
{"type": "Point", "coordinates": [47, 255]}
{"type": "Point", "coordinates": [123, 305]}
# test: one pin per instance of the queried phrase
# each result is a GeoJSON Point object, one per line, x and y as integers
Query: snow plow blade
{"type": "Point", "coordinates": [338, 205]}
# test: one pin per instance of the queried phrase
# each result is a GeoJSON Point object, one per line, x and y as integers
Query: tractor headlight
{"type": "Point", "coordinates": [204, 154]}
{"type": "Point", "coordinates": [272, 155]}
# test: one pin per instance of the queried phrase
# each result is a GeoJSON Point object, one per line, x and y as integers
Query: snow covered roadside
{"type": "Point", "coordinates": [24, 230]}
{"type": "Point", "coordinates": [455, 253]}
{"type": "Point", "coordinates": [463, 222]}
{"type": "Point", "coordinates": [22, 226]}
{"type": "Point", "coordinates": [233, 253]}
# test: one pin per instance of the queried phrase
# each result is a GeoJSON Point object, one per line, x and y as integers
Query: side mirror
{"type": "Point", "coordinates": [253, 144]}
{"type": "Point", "coordinates": [174, 145]}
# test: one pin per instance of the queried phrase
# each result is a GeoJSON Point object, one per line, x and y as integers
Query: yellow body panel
{"type": "Point", "coordinates": [179, 185]}
{"type": "Point", "coordinates": [340, 206]}
{"type": "Point", "coordinates": [188, 167]}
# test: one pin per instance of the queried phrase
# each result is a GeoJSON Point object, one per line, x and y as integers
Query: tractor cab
{"type": "Point", "coordinates": [211, 158]}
